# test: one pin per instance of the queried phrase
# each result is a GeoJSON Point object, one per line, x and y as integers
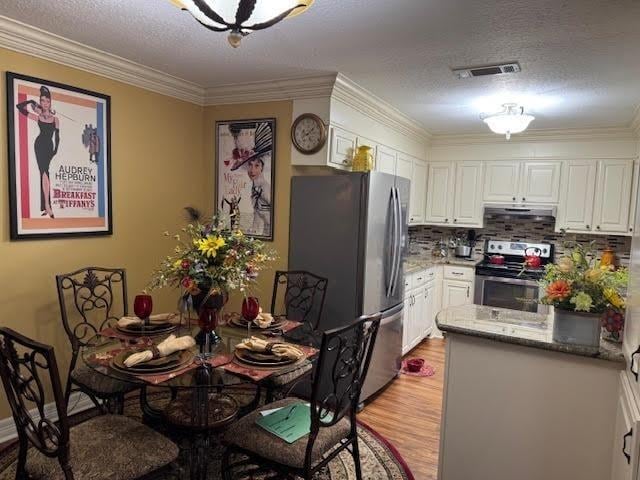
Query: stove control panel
{"type": "Point", "coordinates": [543, 250]}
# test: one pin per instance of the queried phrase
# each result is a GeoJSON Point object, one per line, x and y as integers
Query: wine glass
{"type": "Point", "coordinates": [250, 311]}
{"type": "Point", "coordinates": [142, 307]}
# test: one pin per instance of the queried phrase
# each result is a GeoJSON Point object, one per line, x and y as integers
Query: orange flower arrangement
{"type": "Point", "coordinates": [558, 290]}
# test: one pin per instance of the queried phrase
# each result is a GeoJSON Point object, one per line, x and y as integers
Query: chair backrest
{"type": "Point", "coordinates": [345, 353]}
{"type": "Point", "coordinates": [24, 364]}
{"type": "Point", "coordinates": [302, 296]}
{"type": "Point", "coordinates": [91, 299]}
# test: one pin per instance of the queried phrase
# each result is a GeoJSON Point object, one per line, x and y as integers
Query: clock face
{"type": "Point", "coordinates": [308, 133]}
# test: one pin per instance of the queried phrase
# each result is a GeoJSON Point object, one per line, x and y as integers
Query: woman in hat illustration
{"type": "Point", "coordinates": [46, 143]}
{"type": "Point", "coordinates": [260, 186]}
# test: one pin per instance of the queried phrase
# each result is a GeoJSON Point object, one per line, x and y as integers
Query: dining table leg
{"type": "Point", "coordinates": [149, 412]}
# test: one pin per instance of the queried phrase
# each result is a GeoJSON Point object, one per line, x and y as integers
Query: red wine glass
{"type": "Point", "coordinates": [142, 307]}
{"type": "Point", "coordinates": [250, 311]}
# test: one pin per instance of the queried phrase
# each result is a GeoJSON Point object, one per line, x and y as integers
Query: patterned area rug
{"type": "Point", "coordinates": [379, 459]}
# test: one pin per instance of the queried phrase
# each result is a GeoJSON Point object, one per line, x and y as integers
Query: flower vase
{"type": "Point", "coordinates": [576, 328]}
{"type": "Point", "coordinates": [209, 308]}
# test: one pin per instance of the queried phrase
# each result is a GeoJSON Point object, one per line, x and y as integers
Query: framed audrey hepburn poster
{"type": "Point", "coordinates": [245, 173]}
{"type": "Point", "coordinates": [59, 159]}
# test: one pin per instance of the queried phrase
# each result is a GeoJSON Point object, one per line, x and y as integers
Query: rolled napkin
{"type": "Point", "coordinates": [158, 317]}
{"type": "Point", "coordinates": [280, 350]}
{"type": "Point", "coordinates": [170, 345]}
{"type": "Point", "coordinates": [263, 320]}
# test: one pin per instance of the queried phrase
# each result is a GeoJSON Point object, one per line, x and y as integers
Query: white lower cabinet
{"type": "Point", "coordinates": [429, 309]}
{"type": "Point", "coordinates": [419, 307]}
{"type": "Point", "coordinates": [626, 446]}
{"type": "Point", "coordinates": [456, 292]}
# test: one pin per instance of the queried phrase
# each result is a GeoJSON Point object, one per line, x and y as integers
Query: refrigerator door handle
{"type": "Point", "coordinates": [398, 247]}
{"type": "Point", "coordinates": [393, 244]}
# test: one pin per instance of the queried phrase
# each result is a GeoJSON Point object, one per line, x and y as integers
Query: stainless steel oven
{"type": "Point", "coordinates": [506, 292]}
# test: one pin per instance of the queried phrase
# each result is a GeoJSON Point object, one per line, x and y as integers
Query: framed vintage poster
{"type": "Point", "coordinates": [59, 159]}
{"type": "Point", "coordinates": [245, 173]}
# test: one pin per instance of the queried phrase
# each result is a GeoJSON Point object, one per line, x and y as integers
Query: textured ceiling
{"type": "Point", "coordinates": [580, 58]}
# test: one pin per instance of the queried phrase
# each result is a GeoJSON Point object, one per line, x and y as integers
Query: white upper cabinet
{"type": "Point", "coordinates": [502, 180]}
{"type": "Point", "coordinates": [540, 182]}
{"type": "Point", "coordinates": [468, 208]}
{"type": "Point", "coordinates": [575, 213]}
{"type": "Point", "coordinates": [613, 196]}
{"type": "Point", "coordinates": [386, 160]}
{"type": "Point", "coordinates": [404, 166]}
{"type": "Point", "coordinates": [634, 195]}
{"type": "Point", "coordinates": [418, 198]}
{"type": "Point", "coordinates": [522, 182]}
{"type": "Point", "coordinates": [440, 188]}
{"type": "Point", "coordinates": [343, 146]}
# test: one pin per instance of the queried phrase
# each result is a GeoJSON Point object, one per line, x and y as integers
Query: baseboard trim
{"type": "Point", "coordinates": [78, 402]}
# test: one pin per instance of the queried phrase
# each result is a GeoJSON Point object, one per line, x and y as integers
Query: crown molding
{"type": "Point", "coordinates": [23, 38]}
{"type": "Point", "coordinates": [543, 135]}
{"type": "Point", "coordinates": [334, 86]}
{"type": "Point", "coordinates": [352, 94]}
{"type": "Point", "coordinates": [270, 90]}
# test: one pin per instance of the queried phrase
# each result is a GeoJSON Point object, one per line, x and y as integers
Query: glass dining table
{"type": "Point", "coordinates": [201, 394]}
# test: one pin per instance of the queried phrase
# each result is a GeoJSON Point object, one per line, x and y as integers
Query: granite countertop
{"type": "Point", "coordinates": [519, 328]}
{"type": "Point", "coordinates": [413, 263]}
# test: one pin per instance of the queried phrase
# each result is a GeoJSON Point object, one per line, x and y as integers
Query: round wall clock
{"type": "Point", "coordinates": [308, 133]}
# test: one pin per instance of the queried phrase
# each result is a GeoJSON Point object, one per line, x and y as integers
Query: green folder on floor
{"type": "Point", "coordinates": [290, 423]}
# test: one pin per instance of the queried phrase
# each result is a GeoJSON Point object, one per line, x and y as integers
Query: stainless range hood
{"type": "Point", "coordinates": [540, 212]}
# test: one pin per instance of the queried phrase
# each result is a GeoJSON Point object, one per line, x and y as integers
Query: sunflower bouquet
{"type": "Point", "coordinates": [576, 283]}
{"type": "Point", "coordinates": [211, 256]}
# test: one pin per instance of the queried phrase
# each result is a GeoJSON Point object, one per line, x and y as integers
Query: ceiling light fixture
{"type": "Point", "coordinates": [241, 17]}
{"type": "Point", "coordinates": [511, 119]}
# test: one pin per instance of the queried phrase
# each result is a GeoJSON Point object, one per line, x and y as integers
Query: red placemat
{"type": "Point", "coordinates": [104, 359]}
{"type": "Point", "coordinates": [158, 378]}
{"type": "Point", "coordinates": [259, 374]}
{"type": "Point", "coordinates": [287, 325]}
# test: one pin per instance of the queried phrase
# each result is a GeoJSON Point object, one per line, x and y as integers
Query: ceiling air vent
{"type": "Point", "coordinates": [483, 71]}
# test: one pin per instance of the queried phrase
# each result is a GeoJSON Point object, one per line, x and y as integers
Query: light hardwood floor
{"type": "Point", "coordinates": [408, 412]}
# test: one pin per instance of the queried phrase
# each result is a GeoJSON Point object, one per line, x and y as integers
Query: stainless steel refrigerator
{"type": "Point", "coordinates": [352, 229]}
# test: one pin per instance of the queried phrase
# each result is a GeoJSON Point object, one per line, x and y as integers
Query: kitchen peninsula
{"type": "Point", "coordinates": [506, 375]}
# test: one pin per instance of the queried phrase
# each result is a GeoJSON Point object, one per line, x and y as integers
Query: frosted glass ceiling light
{"type": "Point", "coordinates": [511, 119]}
{"type": "Point", "coordinates": [241, 17]}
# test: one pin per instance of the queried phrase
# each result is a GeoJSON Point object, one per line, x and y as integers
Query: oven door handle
{"type": "Point", "coordinates": [514, 281]}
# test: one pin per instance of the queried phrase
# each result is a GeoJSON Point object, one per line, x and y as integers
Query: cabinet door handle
{"type": "Point", "coordinates": [455, 220]}
{"type": "Point", "coordinates": [633, 361]}
{"type": "Point", "coordinates": [457, 273]}
{"type": "Point", "coordinates": [588, 227]}
{"type": "Point", "coordinates": [524, 199]}
{"type": "Point", "coordinates": [467, 291]}
{"type": "Point", "coordinates": [624, 446]}
{"type": "Point", "coordinates": [446, 220]}
{"type": "Point", "coordinates": [598, 227]}
{"type": "Point", "coordinates": [514, 199]}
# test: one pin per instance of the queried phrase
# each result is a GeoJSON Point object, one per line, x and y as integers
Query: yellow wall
{"type": "Point", "coordinates": [282, 112]}
{"type": "Point", "coordinates": [157, 169]}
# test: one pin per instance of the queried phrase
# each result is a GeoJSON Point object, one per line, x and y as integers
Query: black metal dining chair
{"type": "Point", "coordinates": [346, 353]}
{"type": "Point", "coordinates": [298, 295]}
{"type": "Point", "coordinates": [91, 299]}
{"type": "Point", "coordinates": [103, 447]}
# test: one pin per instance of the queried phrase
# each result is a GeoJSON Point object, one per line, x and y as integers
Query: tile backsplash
{"type": "Point", "coordinates": [519, 229]}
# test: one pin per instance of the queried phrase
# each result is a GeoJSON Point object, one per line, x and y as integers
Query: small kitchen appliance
{"type": "Point", "coordinates": [509, 275]}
